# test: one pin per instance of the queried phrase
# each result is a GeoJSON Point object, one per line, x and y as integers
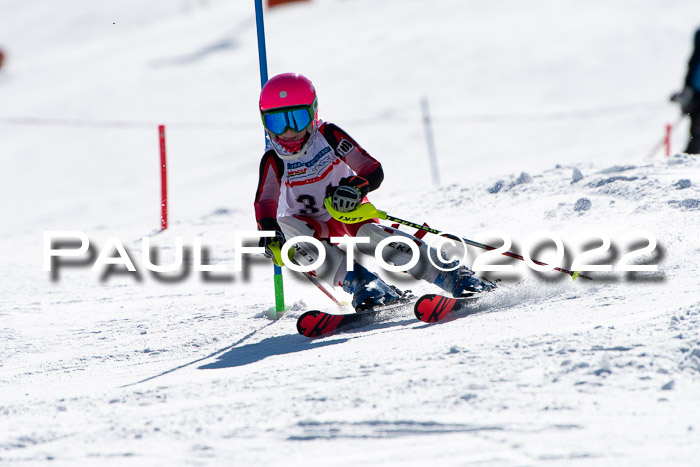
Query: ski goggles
{"type": "Point", "coordinates": [294, 118]}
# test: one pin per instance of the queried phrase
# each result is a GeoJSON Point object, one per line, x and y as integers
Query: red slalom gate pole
{"type": "Point", "coordinates": [667, 140]}
{"type": "Point", "coordinates": [163, 180]}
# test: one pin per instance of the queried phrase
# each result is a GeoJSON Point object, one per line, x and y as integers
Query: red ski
{"type": "Point", "coordinates": [317, 323]}
{"type": "Point", "coordinates": [432, 308]}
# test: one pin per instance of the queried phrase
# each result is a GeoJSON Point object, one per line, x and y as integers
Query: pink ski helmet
{"type": "Point", "coordinates": [288, 101]}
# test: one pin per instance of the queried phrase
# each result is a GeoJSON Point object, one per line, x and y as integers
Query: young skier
{"type": "Point", "coordinates": [308, 160]}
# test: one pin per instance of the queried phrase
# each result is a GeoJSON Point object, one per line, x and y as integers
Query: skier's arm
{"type": "Point", "coordinates": [268, 192]}
{"type": "Point", "coordinates": [353, 155]}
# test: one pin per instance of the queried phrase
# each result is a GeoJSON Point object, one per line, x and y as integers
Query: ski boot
{"type": "Point", "coordinates": [368, 290]}
{"type": "Point", "coordinates": [462, 282]}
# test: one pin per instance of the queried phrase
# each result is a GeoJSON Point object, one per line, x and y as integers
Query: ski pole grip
{"type": "Point", "coordinates": [363, 213]}
{"type": "Point", "coordinates": [277, 253]}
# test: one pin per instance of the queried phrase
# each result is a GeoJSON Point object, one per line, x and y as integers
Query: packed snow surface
{"type": "Point", "coordinates": [547, 119]}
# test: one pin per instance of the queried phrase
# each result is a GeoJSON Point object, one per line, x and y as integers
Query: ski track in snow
{"type": "Point", "coordinates": [184, 369]}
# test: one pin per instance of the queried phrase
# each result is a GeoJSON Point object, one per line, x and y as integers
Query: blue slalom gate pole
{"type": "Point", "coordinates": [262, 54]}
{"type": "Point", "coordinates": [262, 58]}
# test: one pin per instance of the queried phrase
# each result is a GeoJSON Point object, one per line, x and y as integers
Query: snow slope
{"type": "Point", "coordinates": [544, 116]}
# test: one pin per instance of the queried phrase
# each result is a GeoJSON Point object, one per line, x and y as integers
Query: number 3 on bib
{"type": "Point", "coordinates": [309, 203]}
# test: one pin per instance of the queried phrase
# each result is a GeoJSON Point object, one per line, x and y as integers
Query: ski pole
{"type": "Point", "coordinates": [314, 280]}
{"type": "Point", "coordinates": [368, 211]}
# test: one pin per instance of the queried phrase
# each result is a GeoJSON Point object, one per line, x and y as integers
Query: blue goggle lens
{"type": "Point", "coordinates": [296, 119]}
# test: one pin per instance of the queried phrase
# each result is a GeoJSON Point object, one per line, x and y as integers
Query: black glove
{"type": "Point", "coordinates": [360, 183]}
{"type": "Point", "coordinates": [348, 195]}
{"type": "Point", "coordinates": [268, 223]}
{"type": "Point", "coordinates": [684, 98]}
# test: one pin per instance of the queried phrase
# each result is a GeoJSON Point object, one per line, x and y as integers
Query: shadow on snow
{"type": "Point", "coordinates": [289, 344]}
